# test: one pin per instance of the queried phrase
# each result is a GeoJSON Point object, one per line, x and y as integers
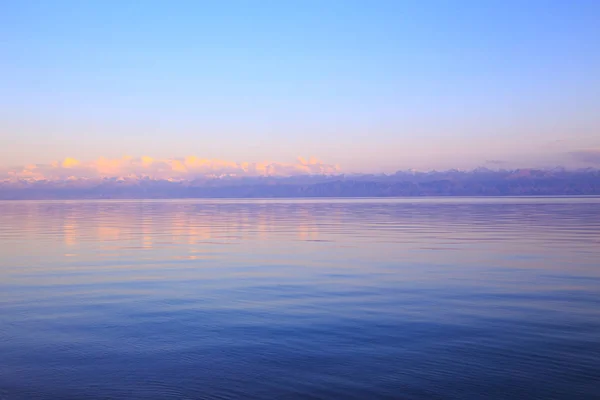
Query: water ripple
{"type": "Point", "coordinates": [443, 298]}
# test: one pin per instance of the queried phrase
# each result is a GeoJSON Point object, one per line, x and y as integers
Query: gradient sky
{"type": "Point", "coordinates": [369, 85]}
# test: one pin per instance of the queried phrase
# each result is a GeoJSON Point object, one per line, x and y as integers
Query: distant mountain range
{"type": "Point", "coordinates": [478, 182]}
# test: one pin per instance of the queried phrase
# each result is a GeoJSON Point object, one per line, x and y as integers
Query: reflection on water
{"type": "Point", "coordinates": [411, 298]}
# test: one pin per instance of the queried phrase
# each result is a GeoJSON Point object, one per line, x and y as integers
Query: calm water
{"type": "Point", "coordinates": [319, 299]}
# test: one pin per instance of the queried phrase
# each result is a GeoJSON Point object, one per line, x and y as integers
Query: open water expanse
{"type": "Point", "coordinates": [431, 298]}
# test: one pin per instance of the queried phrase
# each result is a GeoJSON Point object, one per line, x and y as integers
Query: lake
{"type": "Point", "coordinates": [425, 298]}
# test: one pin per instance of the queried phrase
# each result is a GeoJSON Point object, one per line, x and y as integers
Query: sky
{"type": "Point", "coordinates": [365, 86]}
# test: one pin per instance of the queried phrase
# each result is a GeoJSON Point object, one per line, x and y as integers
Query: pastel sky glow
{"type": "Point", "coordinates": [371, 86]}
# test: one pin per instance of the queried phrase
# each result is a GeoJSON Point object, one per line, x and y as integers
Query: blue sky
{"type": "Point", "coordinates": [368, 85]}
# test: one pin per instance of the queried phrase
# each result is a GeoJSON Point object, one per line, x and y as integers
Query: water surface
{"type": "Point", "coordinates": [309, 299]}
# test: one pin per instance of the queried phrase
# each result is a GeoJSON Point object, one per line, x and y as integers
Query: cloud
{"type": "Point", "coordinates": [591, 156]}
{"type": "Point", "coordinates": [188, 168]}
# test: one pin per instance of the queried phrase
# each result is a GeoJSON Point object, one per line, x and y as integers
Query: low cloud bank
{"type": "Point", "coordinates": [187, 168]}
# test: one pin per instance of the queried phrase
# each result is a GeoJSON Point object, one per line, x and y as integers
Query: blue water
{"type": "Point", "coordinates": [300, 299]}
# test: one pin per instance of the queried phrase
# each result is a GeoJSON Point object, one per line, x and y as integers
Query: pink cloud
{"type": "Point", "coordinates": [173, 169]}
